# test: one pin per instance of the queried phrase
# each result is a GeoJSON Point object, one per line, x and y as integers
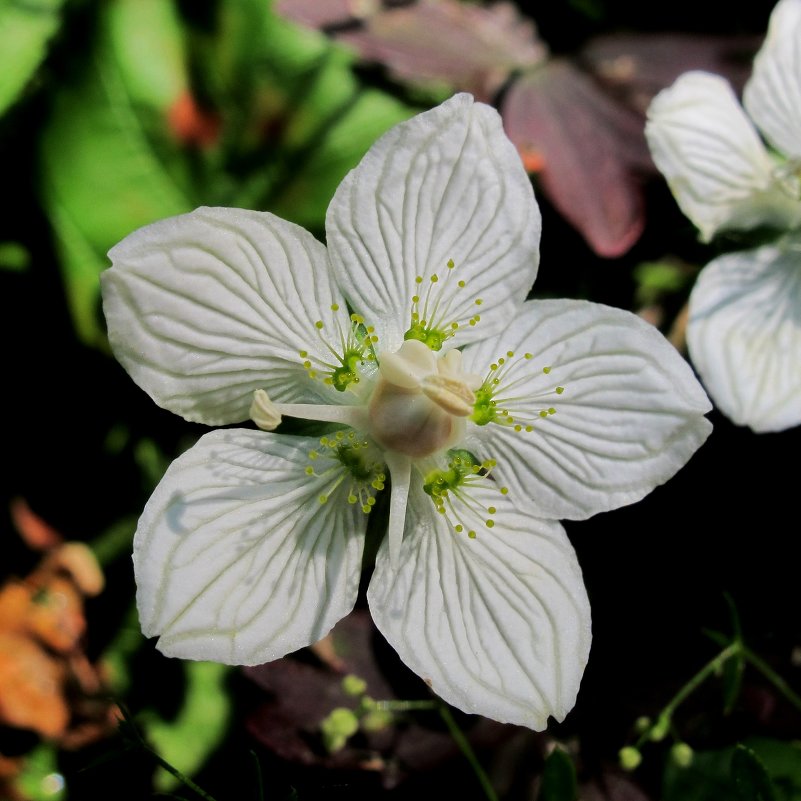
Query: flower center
{"type": "Point", "coordinates": [421, 401]}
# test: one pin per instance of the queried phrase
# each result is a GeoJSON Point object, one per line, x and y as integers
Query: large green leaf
{"type": "Point", "coordinates": [147, 40]}
{"type": "Point", "coordinates": [750, 777]}
{"type": "Point", "coordinates": [25, 30]}
{"type": "Point", "coordinates": [104, 172]}
{"type": "Point", "coordinates": [322, 120]}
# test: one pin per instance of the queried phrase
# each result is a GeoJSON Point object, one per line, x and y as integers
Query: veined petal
{"type": "Point", "coordinates": [446, 185]}
{"type": "Point", "coordinates": [713, 159]}
{"type": "Point", "coordinates": [498, 625]}
{"type": "Point", "coordinates": [744, 335]}
{"type": "Point", "coordinates": [621, 410]}
{"type": "Point", "coordinates": [236, 559]}
{"type": "Point", "coordinates": [773, 94]}
{"type": "Point", "coordinates": [207, 307]}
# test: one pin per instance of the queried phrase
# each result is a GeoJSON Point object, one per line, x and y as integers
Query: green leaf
{"type": "Point", "coordinates": [14, 257]}
{"type": "Point", "coordinates": [657, 278]}
{"type": "Point", "coordinates": [40, 779]}
{"type": "Point", "coordinates": [334, 148]}
{"type": "Point", "coordinates": [558, 778]}
{"type": "Point", "coordinates": [25, 31]}
{"type": "Point", "coordinates": [713, 776]}
{"type": "Point", "coordinates": [147, 40]}
{"type": "Point", "coordinates": [200, 726]}
{"type": "Point", "coordinates": [103, 177]}
{"type": "Point", "coordinates": [750, 777]}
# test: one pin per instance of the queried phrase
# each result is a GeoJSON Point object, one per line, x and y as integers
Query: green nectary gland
{"type": "Point", "coordinates": [348, 372]}
{"type": "Point", "coordinates": [438, 483]}
{"type": "Point", "coordinates": [484, 409]}
{"type": "Point", "coordinates": [350, 458]}
{"type": "Point", "coordinates": [432, 337]}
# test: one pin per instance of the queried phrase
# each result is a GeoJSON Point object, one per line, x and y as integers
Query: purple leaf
{"type": "Point", "coordinates": [583, 145]}
{"type": "Point", "coordinates": [323, 13]}
{"type": "Point", "coordinates": [437, 43]}
{"type": "Point", "coordinates": [299, 694]}
{"type": "Point", "coordinates": [637, 66]}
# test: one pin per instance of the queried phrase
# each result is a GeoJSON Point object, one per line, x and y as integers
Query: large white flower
{"type": "Point", "coordinates": [744, 330]}
{"type": "Point", "coordinates": [410, 336]}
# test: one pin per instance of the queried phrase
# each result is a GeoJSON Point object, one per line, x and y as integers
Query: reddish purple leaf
{"type": "Point", "coordinates": [298, 695]}
{"type": "Point", "coordinates": [637, 66]}
{"type": "Point", "coordinates": [440, 43]}
{"type": "Point", "coordinates": [581, 131]}
{"type": "Point", "coordinates": [584, 146]}
{"type": "Point", "coordinates": [324, 13]}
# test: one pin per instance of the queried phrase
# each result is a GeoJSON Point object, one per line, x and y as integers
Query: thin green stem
{"type": "Point", "coordinates": [185, 780]}
{"type": "Point", "coordinates": [456, 733]}
{"type": "Point", "coordinates": [465, 748]}
{"type": "Point", "coordinates": [259, 778]}
{"type": "Point", "coordinates": [406, 706]}
{"type": "Point", "coordinates": [713, 666]}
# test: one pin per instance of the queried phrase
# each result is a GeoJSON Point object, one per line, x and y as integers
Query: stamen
{"type": "Point", "coordinates": [353, 347]}
{"type": "Point", "coordinates": [451, 491]}
{"type": "Point", "coordinates": [351, 462]}
{"type": "Point", "coordinates": [505, 398]}
{"type": "Point", "coordinates": [433, 320]}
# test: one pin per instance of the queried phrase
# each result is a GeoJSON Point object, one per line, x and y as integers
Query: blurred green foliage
{"type": "Point", "coordinates": [165, 111]}
{"type": "Point", "coordinates": [761, 769]}
{"type": "Point", "coordinates": [25, 30]}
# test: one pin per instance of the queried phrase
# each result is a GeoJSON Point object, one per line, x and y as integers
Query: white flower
{"type": "Point", "coordinates": [251, 546]}
{"type": "Point", "coordinates": [744, 330]}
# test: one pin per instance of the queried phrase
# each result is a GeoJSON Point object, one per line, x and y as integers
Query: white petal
{"type": "Point", "coordinates": [630, 416]}
{"type": "Point", "coordinates": [744, 335]}
{"type": "Point", "coordinates": [206, 307]}
{"type": "Point", "coordinates": [498, 625]}
{"type": "Point", "coordinates": [236, 559]}
{"type": "Point", "coordinates": [773, 94]}
{"type": "Point", "coordinates": [713, 159]}
{"type": "Point", "coordinates": [447, 184]}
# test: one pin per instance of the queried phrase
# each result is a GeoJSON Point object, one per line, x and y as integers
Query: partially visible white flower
{"type": "Point", "coordinates": [492, 417]}
{"type": "Point", "coordinates": [744, 329]}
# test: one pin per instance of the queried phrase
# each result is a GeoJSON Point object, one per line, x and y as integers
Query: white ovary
{"type": "Point", "coordinates": [420, 403]}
